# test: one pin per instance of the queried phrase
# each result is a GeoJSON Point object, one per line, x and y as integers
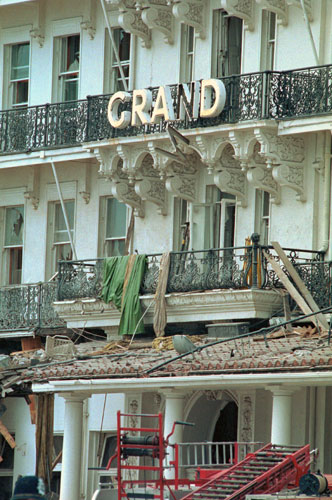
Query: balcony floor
{"type": "Point", "coordinates": [211, 305]}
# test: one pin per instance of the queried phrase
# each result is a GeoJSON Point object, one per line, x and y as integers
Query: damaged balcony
{"type": "Point", "coordinates": [203, 286]}
{"type": "Point", "coordinates": [269, 95]}
{"type": "Point", "coordinates": [28, 308]}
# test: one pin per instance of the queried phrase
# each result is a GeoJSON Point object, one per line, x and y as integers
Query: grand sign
{"type": "Point", "coordinates": [201, 99]}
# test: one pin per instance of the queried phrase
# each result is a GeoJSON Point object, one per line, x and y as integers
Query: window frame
{"type": "Point", "coordinates": [9, 250]}
{"type": "Point", "coordinates": [220, 58]}
{"type": "Point", "coordinates": [110, 64]}
{"type": "Point", "coordinates": [187, 54]}
{"type": "Point", "coordinates": [60, 75]}
{"type": "Point", "coordinates": [262, 220]}
{"type": "Point", "coordinates": [9, 83]}
{"type": "Point", "coordinates": [268, 40]}
{"type": "Point", "coordinates": [103, 239]}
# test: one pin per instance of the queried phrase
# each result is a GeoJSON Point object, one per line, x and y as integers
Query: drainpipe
{"type": "Point", "coordinates": [327, 193]}
{"type": "Point", "coordinates": [64, 211]}
{"type": "Point", "coordinates": [310, 32]}
{"type": "Point", "coordinates": [114, 47]}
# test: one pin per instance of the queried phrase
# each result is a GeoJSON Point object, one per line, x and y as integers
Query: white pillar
{"type": "Point", "coordinates": [174, 405]}
{"type": "Point", "coordinates": [72, 447]}
{"type": "Point", "coordinates": [281, 416]}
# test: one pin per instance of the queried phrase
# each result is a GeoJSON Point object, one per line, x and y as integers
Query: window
{"type": "Point", "coordinates": [269, 27]}
{"type": "Point", "coordinates": [108, 446]}
{"type": "Point", "coordinates": [6, 469]}
{"type": "Point", "coordinates": [219, 218]}
{"type": "Point", "coordinates": [181, 225]}
{"type": "Point", "coordinates": [57, 455]}
{"type": "Point", "coordinates": [58, 246]}
{"type": "Point", "coordinates": [187, 53]}
{"type": "Point", "coordinates": [113, 226]}
{"type": "Point", "coordinates": [13, 244]}
{"type": "Point", "coordinates": [113, 81]}
{"type": "Point", "coordinates": [226, 44]}
{"type": "Point", "coordinates": [69, 67]}
{"type": "Point", "coordinates": [263, 216]}
{"type": "Point", "coordinates": [19, 74]}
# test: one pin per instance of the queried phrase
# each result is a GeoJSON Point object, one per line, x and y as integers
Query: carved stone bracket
{"type": "Point", "coordinates": [191, 12]}
{"type": "Point", "coordinates": [132, 157]}
{"type": "Point", "coordinates": [160, 160]}
{"type": "Point", "coordinates": [133, 420]}
{"type": "Point", "coordinates": [209, 150]}
{"type": "Point", "coordinates": [233, 181]}
{"type": "Point", "coordinates": [149, 187]}
{"type": "Point", "coordinates": [307, 5]}
{"type": "Point", "coordinates": [261, 178]}
{"type": "Point", "coordinates": [241, 8]}
{"type": "Point", "coordinates": [132, 22]}
{"type": "Point", "coordinates": [182, 180]}
{"type": "Point", "coordinates": [279, 7]}
{"type": "Point", "coordinates": [33, 187]}
{"type": "Point", "coordinates": [89, 19]}
{"type": "Point", "coordinates": [286, 156]}
{"type": "Point", "coordinates": [122, 189]}
{"type": "Point", "coordinates": [241, 143]}
{"type": "Point", "coordinates": [160, 17]}
{"type": "Point", "coordinates": [292, 177]}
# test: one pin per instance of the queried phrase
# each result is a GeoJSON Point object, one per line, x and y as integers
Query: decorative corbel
{"type": "Point", "coordinates": [209, 149]}
{"type": "Point", "coordinates": [307, 5]}
{"type": "Point", "coordinates": [122, 189]}
{"type": "Point", "coordinates": [261, 178]}
{"type": "Point", "coordinates": [285, 155]}
{"type": "Point", "coordinates": [132, 22]}
{"type": "Point", "coordinates": [182, 180]}
{"type": "Point", "coordinates": [38, 30]}
{"type": "Point", "coordinates": [279, 7]}
{"type": "Point", "coordinates": [150, 187]}
{"type": "Point", "coordinates": [230, 178]}
{"type": "Point", "coordinates": [33, 186]}
{"type": "Point", "coordinates": [86, 192]}
{"type": "Point", "coordinates": [244, 9]}
{"type": "Point", "coordinates": [132, 157]}
{"type": "Point", "coordinates": [292, 177]}
{"type": "Point", "coordinates": [162, 156]}
{"type": "Point", "coordinates": [160, 17]}
{"type": "Point", "coordinates": [241, 142]}
{"type": "Point", "coordinates": [191, 12]}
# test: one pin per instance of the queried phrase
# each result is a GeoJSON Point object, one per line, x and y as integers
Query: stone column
{"type": "Point", "coordinates": [281, 415]}
{"type": "Point", "coordinates": [72, 447]}
{"type": "Point", "coordinates": [174, 406]}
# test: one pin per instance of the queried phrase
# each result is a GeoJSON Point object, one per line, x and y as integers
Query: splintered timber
{"type": "Point", "coordinates": [201, 99]}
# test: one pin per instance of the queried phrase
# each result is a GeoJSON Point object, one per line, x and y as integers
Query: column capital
{"type": "Point", "coordinates": [171, 393]}
{"type": "Point", "coordinates": [278, 390]}
{"type": "Point", "coordinates": [73, 397]}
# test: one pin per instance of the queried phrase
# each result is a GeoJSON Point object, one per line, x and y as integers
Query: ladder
{"type": "Point", "coordinates": [267, 470]}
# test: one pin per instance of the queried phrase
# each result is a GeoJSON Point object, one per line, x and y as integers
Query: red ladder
{"type": "Point", "coordinates": [267, 470]}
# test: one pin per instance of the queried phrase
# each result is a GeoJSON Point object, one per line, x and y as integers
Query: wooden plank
{"type": "Point", "coordinates": [300, 284]}
{"type": "Point", "coordinates": [288, 285]}
{"type": "Point", "coordinates": [6, 434]}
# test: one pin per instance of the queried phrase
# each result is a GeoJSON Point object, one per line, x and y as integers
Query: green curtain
{"type": "Point", "coordinates": [130, 306]}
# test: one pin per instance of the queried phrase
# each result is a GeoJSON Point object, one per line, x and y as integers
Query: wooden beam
{"type": "Point", "coordinates": [6, 434]}
{"type": "Point", "coordinates": [300, 284]}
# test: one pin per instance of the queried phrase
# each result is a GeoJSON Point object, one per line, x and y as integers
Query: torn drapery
{"type": "Point", "coordinates": [121, 285]}
{"type": "Point", "coordinates": [160, 316]}
{"type": "Point", "coordinates": [44, 437]}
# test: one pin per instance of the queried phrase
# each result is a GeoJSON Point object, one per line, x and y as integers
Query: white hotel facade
{"type": "Point", "coordinates": [257, 163]}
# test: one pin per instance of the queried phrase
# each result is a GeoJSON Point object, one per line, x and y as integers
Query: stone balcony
{"type": "Point", "coordinates": [203, 286]}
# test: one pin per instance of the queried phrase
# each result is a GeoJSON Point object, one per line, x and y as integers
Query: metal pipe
{"type": "Point", "coordinates": [309, 31]}
{"type": "Point", "coordinates": [327, 193]}
{"type": "Point", "coordinates": [114, 47]}
{"type": "Point", "coordinates": [64, 210]}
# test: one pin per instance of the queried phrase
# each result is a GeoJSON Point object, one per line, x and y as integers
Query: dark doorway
{"type": "Point", "coordinates": [225, 431]}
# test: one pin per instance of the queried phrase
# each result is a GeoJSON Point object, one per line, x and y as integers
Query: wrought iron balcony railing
{"type": "Point", "coordinates": [222, 268]}
{"type": "Point", "coordinates": [27, 307]}
{"type": "Point", "coordinates": [253, 96]}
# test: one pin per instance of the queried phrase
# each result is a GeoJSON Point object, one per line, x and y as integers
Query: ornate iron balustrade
{"type": "Point", "coordinates": [225, 268]}
{"type": "Point", "coordinates": [252, 96]}
{"type": "Point", "coordinates": [30, 306]}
